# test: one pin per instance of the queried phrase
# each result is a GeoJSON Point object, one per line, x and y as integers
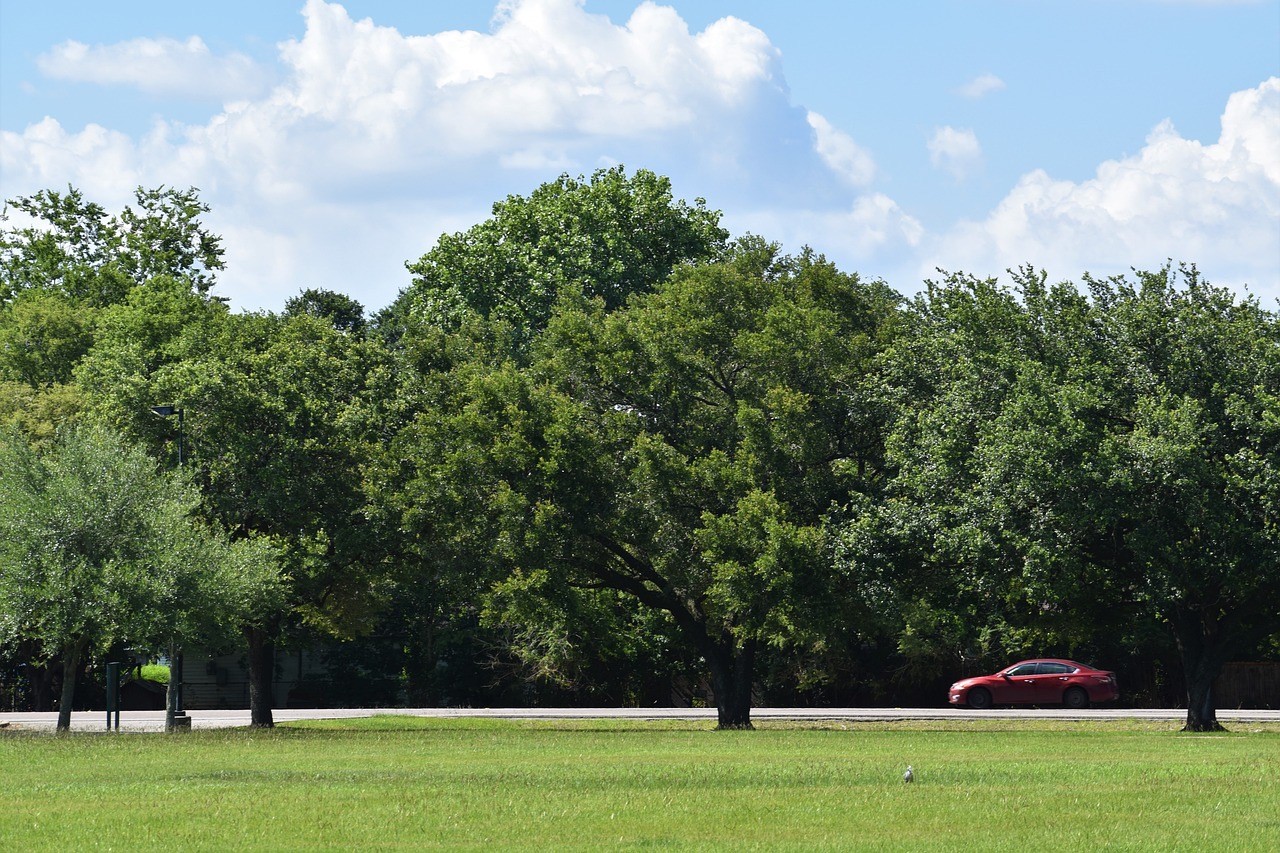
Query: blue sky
{"type": "Point", "coordinates": [336, 141]}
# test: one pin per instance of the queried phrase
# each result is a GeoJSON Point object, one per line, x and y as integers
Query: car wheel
{"type": "Point", "coordinates": [980, 698]}
{"type": "Point", "coordinates": [1075, 698]}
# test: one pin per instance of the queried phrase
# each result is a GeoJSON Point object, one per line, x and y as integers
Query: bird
{"type": "Point", "coordinates": [909, 775]}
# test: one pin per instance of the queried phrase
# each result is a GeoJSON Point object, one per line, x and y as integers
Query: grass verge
{"type": "Point", "coordinates": [397, 782]}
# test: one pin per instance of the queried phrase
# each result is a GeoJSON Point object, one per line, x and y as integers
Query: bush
{"type": "Point", "coordinates": [156, 672]}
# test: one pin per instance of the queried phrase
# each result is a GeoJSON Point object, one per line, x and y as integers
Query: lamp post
{"type": "Point", "coordinates": [175, 717]}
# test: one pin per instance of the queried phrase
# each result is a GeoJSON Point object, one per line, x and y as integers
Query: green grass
{"type": "Point", "coordinates": [405, 783]}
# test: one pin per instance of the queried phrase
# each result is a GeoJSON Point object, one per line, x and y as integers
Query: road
{"type": "Point", "coordinates": [144, 721]}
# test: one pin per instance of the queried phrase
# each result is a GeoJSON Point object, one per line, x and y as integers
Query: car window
{"type": "Point", "coordinates": [1023, 669]}
{"type": "Point", "coordinates": [1055, 669]}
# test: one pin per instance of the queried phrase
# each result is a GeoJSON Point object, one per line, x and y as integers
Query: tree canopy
{"type": "Point", "coordinates": [595, 440]}
{"type": "Point", "coordinates": [1070, 460]}
{"type": "Point", "coordinates": [681, 450]}
{"type": "Point", "coordinates": [97, 546]}
{"type": "Point", "coordinates": [607, 237]}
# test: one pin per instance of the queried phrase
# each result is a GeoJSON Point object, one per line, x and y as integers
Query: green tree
{"type": "Point", "coordinates": [345, 313]}
{"type": "Point", "coordinates": [96, 546]}
{"type": "Point", "coordinates": [80, 251]}
{"type": "Point", "coordinates": [682, 451]}
{"type": "Point", "coordinates": [1067, 462]}
{"type": "Point", "coordinates": [607, 237]}
{"type": "Point", "coordinates": [275, 439]}
{"type": "Point", "coordinates": [42, 336]}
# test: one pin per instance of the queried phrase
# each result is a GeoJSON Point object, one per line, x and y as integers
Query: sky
{"type": "Point", "coordinates": [336, 141]}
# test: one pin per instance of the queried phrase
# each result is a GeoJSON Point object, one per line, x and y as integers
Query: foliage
{"type": "Point", "coordinates": [74, 248]}
{"type": "Point", "coordinates": [1069, 463]}
{"type": "Point", "coordinates": [681, 450]}
{"type": "Point", "coordinates": [42, 336]}
{"type": "Point", "coordinates": [346, 314]}
{"type": "Point", "coordinates": [156, 672]}
{"type": "Point", "coordinates": [98, 547]}
{"type": "Point", "coordinates": [37, 414]}
{"type": "Point", "coordinates": [273, 432]}
{"type": "Point", "coordinates": [604, 238]}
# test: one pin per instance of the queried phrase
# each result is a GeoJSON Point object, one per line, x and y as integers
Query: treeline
{"type": "Point", "coordinates": [596, 448]}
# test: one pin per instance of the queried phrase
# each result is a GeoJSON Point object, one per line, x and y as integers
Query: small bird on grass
{"type": "Point", "coordinates": [909, 775]}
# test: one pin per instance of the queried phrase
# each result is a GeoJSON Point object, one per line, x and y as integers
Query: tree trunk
{"type": "Point", "coordinates": [262, 666]}
{"type": "Point", "coordinates": [731, 671]}
{"type": "Point", "coordinates": [1203, 654]}
{"type": "Point", "coordinates": [1202, 709]}
{"type": "Point", "coordinates": [171, 691]}
{"type": "Point", "coordinates": [70, 666]}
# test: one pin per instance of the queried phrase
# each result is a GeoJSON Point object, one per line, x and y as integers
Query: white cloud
{"type": "Point", "coordinates": [396, 136]}
{"type": "Point", "coordinates": [841, 153]}
{"type": "Point", "coordinates": [105, 164]}
{"type": "Point", "coordinates": [161, 66]}
{"type": "Point", "coordinates": [874, 227]}
{"type": "Point", "coordinates": [1216, 205]}
{"type": "Point", "coordinates": [980, 86]}
{"type": "Point", "coordinates": [956, 151]}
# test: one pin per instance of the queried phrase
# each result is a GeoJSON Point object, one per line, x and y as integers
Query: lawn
{"type": "Point", "coordinates": [396, 782]}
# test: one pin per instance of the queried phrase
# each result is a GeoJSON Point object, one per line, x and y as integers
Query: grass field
{"type": "Point", "coordinates": [406, 783]}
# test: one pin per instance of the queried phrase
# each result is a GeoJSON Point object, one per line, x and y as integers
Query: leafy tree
{"type": "Point", "coordinates": [71, 250]}
{"type": "Point", "coordinates": [38, 413]}
{"type": "Point", "coordinates": [1070, 462]}
{"type": "Point", "coordinates": [78, 250]}
{"type": "Point", "coordinates": [1193, 466]}
{"type": "Point", "coordinates": [42, 336]}
{"type": "Point", "coordinates": [346, 314]}
{"type": "Point", "coordinates": [274, 440]}
{"type": "Point", "coordinates": [607, 238]}
{"type": "Point", "coordinates": [681, 450]}
{"type": "Point", "coordinates": [97, 547]}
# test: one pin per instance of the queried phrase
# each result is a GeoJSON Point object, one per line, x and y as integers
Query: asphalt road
{"type": "Point", "coordinates": [89, 721]}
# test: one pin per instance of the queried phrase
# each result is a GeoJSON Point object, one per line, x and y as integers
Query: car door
{"type": "Point", "coordinates": [1017, 686]}
{"type": "Point", "coordinates": [1051, 681]}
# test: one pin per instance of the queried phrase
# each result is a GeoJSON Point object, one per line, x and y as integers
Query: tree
{"type": "Point", "coordinates": [96, 546]}
{"type": "Point", "coordinates": [607, 238]}
{"type": "Point", "coordinates": [1068, 463]}
{"type": "Point", "coordinates": [681, 450]}
{"type": "Point", "coordinates": [80, 251]}
{"type": "Point", "coordinates": [346, 314]}
{"type": "Point", "coordinates": [275, 441]}
{"type": "Point", "coordinates": [42, 336]}
{"type": "Point", "coordinates": [1193, 462]}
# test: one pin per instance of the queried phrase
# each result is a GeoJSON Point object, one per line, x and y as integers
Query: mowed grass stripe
{"type": "Point", "coordinates": [405, 783]}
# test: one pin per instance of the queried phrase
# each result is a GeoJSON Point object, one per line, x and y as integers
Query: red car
{"type": "Point", "coordinates": [1046, 681]}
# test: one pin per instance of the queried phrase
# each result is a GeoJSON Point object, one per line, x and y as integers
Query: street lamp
{"type": "Point", "coordinates": [174, 716]}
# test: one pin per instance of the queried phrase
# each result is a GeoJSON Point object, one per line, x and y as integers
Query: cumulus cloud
{"type": "Point", "coordinates": [372, 142]}
{"type": "Point", "coordinates": [874, 229]}
{"type": "Point", "coordinates": [1216, 205]}
{"type": "Point", "coordinates": [841, 153]}
{"type": "Point", "coordinates": [398, 135]}
{"type": "Point", "coordinates": [981, 86]}
{"type": "Point", "coordinates": [956, 151]}
{"type": "Point", "coordinates": [161, 66]}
